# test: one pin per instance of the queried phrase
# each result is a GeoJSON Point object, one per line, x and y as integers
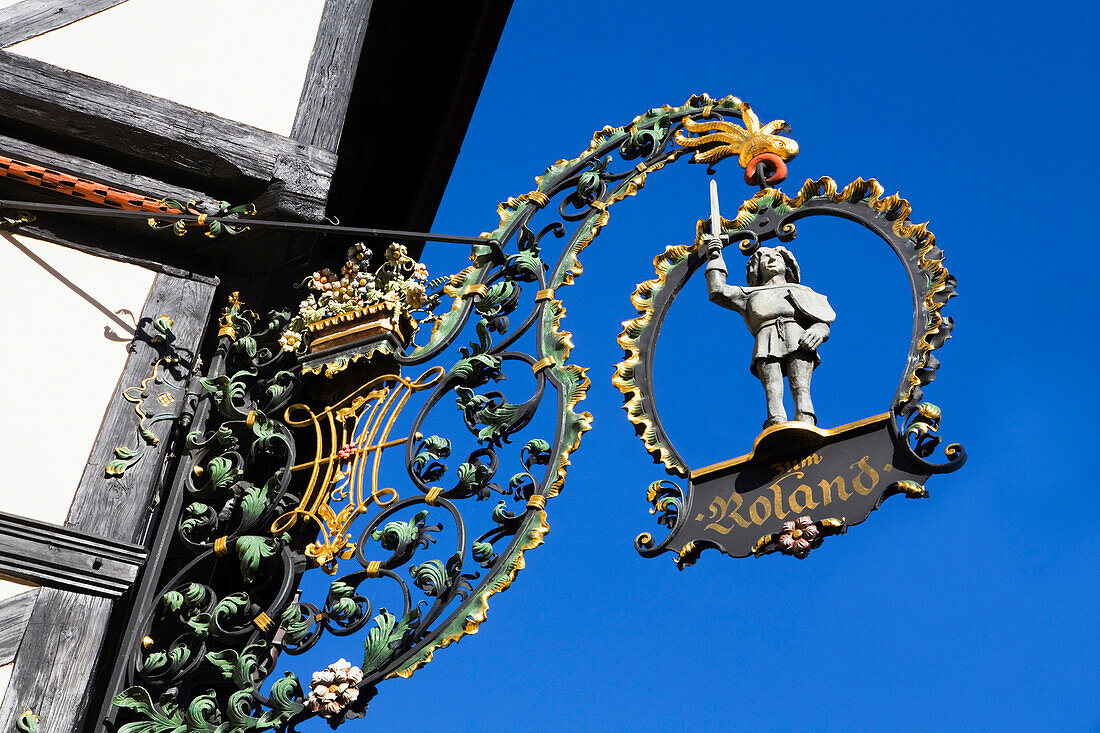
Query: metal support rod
{"type": "Point", "coordinates": [247, 222]}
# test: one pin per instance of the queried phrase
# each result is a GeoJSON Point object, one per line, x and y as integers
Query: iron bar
{"type": "Point", "coordinates": [237, 222]}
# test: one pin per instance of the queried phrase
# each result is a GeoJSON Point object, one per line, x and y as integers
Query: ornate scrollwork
{"type": "Point", "coordinates": [169, 362]}
{"type": "Point", "coordinates": [433, 545]}
{"type": "Point", "coordinates": [667, 499]}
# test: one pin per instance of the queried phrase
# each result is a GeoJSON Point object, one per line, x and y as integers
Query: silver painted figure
{"type": "Point", "coordinates": [788, 320]}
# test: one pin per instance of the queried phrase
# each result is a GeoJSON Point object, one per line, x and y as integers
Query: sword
{"type": "Point", "coordinates": [715, 217]}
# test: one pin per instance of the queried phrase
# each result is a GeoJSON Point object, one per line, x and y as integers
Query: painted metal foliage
{"type": "Point", "coordinates": [286, 467]}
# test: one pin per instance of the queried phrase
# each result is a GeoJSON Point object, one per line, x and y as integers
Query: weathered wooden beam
{"type": "Point", "coordinates": [13, 147]}
{"type": "Point", "coordinates": [14, 614]}
{"type": "Point", "coordinates": [55, 668]}
{"type": "Point", "coordinates": [120, 508]}
{"type": "Point", "coordinates": [75, 114]}
{"type": "Point", "coordinates": [330, 77]}
{"type": "Point", "coordinates": [58, 557]}
{"type": "Point", "coordinates": [57, 661]}
{"type": "Point", "coordinates": [29, 18]}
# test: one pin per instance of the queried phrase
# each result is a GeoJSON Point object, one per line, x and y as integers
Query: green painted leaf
{"type": "Point", "coordinates": [430, 577]}
{"type": "Point", "coordinates": [27, 723]}
{"type": "Point", "coordinates": [251, 551]}
{"type": "Point", "coordinates": [200, 622]}
{"type": "Point", "coordinates": [222, 472]}
{"type": "Point", "coordinates": [380, 642]}
{"type": "Point", "coordinates": [179, 655]}
{"type": "Point", "coordinates": [482, 551]}
{"type": "Point", "coordinates": [200, 712]}
{"type": "Point", "coordinates": [284, 704]}
{"type": "Point", "coordinates": [173, 599]}
{"type": "Point", "coordinates": [247, 344]}
{"type": "Point", "coordinates": [154, 661]}
{"type": "Point", "coordinates": [225, 661]}
{"type": "Point", "coordinates": [254, 502]}
{"type": "Point", "coordinates": [138, 700]}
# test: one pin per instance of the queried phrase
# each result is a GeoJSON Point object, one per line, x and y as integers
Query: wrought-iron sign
{"type": "Point", "coordinates": [390, 433]}
{"type": "Point", "coordinates": [797, 483]}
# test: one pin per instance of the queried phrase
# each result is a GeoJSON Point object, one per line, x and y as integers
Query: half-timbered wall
{"type": "Point", "coordinates": [244, 60]}
{"type": "Point", "coordinates": [247, 101]}
{"type": "Point", "coordinates": [77, 315]}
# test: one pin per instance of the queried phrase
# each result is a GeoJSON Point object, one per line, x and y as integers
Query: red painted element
{"type": "Point", "coordinates": [81, 188]}
{"type": "Point", "coordinates": [774, 166]}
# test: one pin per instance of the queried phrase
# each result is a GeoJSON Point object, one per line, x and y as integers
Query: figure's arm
{"type": "Point", "coordinates": [733, 297]}
{"type": "Point", "coordinates": [814, 336]}
{"type": "Point", "coordinates": [815, 307]}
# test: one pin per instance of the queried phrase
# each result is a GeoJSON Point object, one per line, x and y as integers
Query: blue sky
{"type": "Point", "coordinates": [973, 609]}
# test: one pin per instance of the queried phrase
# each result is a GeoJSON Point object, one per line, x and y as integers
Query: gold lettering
{"type": "Point", "coordinates": [864, 468]}
{"type": "Point", "coordinates": [826, 489]}
{"type": "Point", "coordinates": [777, 490]}
{"type": "Point", "coordinates": [780, 512]}
{"type": "Point", "coordinates": [809, 502]}
{"type": "Point", "coordinates": [789, 466]}
{"type": "Point", "coordinates": [767, 510]}
{"type": "Point", "coordinates": [720, 509]}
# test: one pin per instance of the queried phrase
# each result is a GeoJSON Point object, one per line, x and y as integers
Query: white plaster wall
{"type": "Point", "coordinates": [59, 367]}
{"type": "Point", "coordinates": [241, 59]}
{"type": "Point", "coordinates": [12, 587]}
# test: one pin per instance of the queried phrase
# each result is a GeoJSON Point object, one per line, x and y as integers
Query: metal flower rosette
{"type": "Point", "coordinates": [373, 465]}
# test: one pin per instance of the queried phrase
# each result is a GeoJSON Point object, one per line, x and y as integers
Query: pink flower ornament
{"type": "Point", "coordinates": [796, 538]}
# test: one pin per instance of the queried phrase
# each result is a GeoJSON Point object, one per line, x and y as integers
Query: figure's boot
{"type": "Point", "coordinates": [806, 417]}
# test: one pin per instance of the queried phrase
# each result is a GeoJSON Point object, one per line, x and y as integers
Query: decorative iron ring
{"type": "Point", "coordinates": [771, 161]}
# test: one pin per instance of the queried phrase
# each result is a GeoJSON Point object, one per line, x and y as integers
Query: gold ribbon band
{"type": "Point", "coordinates": [221, 546]}
{"type": "Point", "coordinates": [475, 289]}
{"type": "Point", "coordinates": [263, 622]}
{"type": "Point", "coordinates": [432, 495]}
{"type": "Point", "coordinates": [374, 567]}
{"type": "Point", "coordinates": [536, 502]}
{"type": "Point", "coordinates": [541, 364]}
{"type": "Point", "coordinates": [539, 198]}
{"type": "Point", "coordinates": [542, 295]}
